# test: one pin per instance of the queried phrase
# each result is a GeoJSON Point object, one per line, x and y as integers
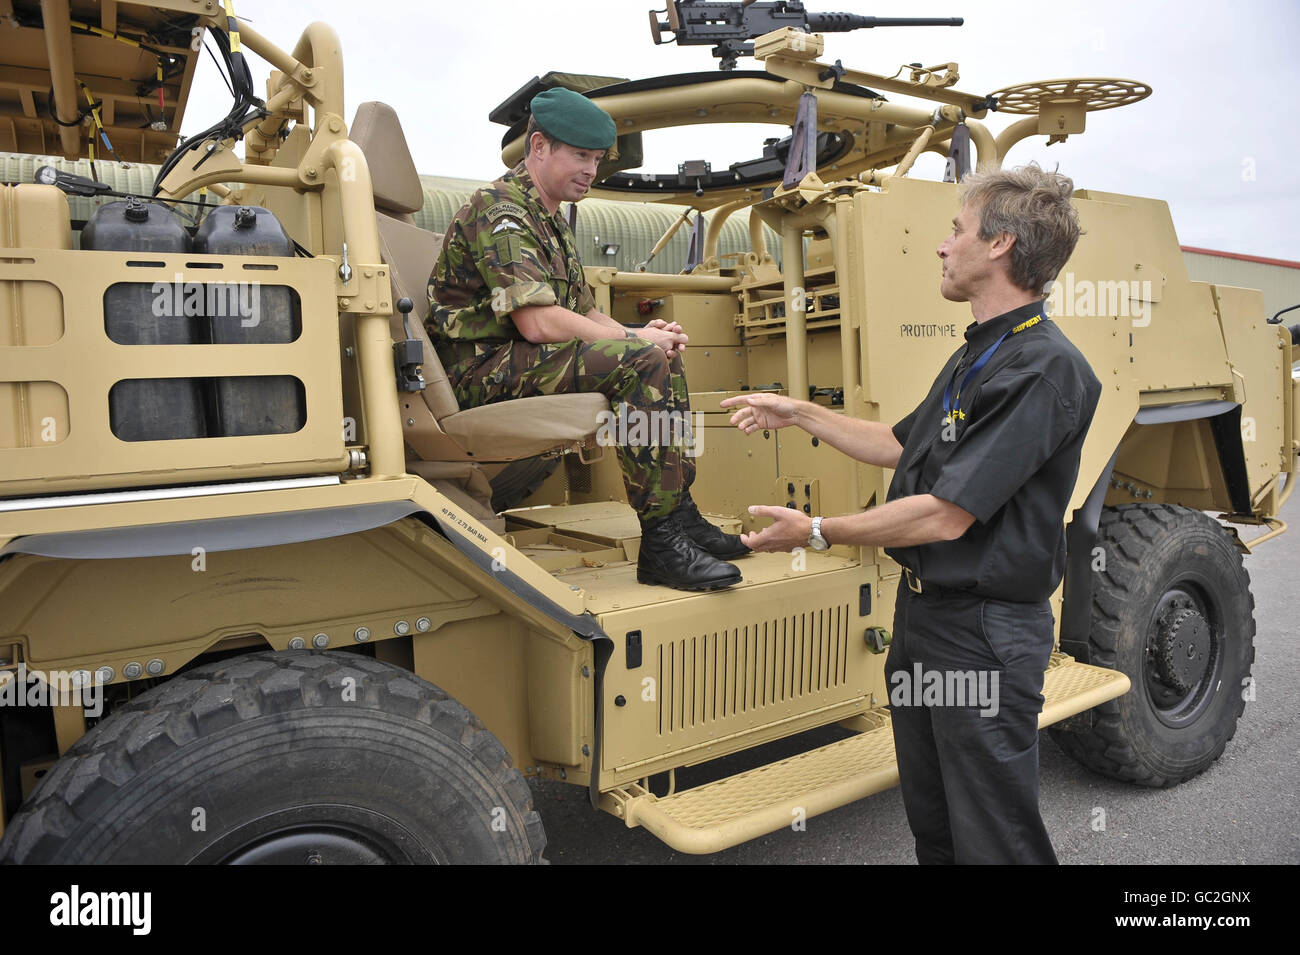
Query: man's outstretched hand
{"type": "Point", "coordinates": [790, 530]}
{"type": "Point", "coordinates": [762, 410]}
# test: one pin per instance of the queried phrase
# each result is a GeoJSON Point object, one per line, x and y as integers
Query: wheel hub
{"type": "Point", "coordinates": [315, 846]}
{"type": "Point", "coordinates": [315, 834]}
{"type": "Point", "coordinates": [1182, 647]}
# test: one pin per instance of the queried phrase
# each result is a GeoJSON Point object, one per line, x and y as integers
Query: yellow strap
{"type": "Point", "coordinates": [94, 110]}
{"type": "Point", "coordinates": [104, 33]}
{"type": "Point", "coordinates": [231, 26]}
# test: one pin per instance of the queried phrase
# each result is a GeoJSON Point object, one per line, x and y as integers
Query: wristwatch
{"type": "Point", "coordinates": [815, 539]}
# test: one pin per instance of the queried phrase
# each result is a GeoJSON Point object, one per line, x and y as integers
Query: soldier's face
{"type": "Point", "coordinates": [564, 172]}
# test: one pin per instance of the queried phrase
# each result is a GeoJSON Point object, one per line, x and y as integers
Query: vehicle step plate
{"type": "Point", "coordinates": [730, 811]}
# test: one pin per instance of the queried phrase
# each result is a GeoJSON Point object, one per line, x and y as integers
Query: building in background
{"type": "Point", "coordinates": [1278, 279]}
{"type": "Point", "coordinates": [621, 234]}
{"type": "Point", "coordinates": [610, 233]}
{"type": "Point", "coordinates": [615, 234]}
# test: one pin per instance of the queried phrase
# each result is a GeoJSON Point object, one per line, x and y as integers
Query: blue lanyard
{"type": "Point", "coordinates": [951, 402]}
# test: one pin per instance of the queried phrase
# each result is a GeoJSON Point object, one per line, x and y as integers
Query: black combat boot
{"type": "Point", "coordinates": [709, 536]}
{"type": "Point", "coordinates": [670, 558]}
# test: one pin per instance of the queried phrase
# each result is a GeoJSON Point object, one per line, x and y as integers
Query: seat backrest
{"type": "Point", "coordinates": [409, 251]}
{"type": "Point", "coordinates": [396, 184]}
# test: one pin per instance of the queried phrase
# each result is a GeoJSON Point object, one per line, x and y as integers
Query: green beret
{"type": "Point", "coordinates": [573, 119]}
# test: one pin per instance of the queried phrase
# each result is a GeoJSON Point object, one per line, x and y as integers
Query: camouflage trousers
{"type": "Point", "coordinates": [640, 381]}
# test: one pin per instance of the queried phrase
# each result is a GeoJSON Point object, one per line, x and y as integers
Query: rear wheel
{"type": "Point", "coordinates": [295, 757]}
{"type": "Point", "coordinates": [1172, 610]}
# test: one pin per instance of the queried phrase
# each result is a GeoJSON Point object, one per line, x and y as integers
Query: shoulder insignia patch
{"type": "Point", "coordinates": [504, 208]}
{"type": "Point", "coordinates": [507, 225]}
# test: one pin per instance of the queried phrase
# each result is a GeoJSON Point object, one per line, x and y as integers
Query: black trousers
{"type": "Point", "coordinates": [965, 677]}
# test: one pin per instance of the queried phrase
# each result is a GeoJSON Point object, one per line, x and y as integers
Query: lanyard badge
{"type": "Point", "coordinates": [952, 402]}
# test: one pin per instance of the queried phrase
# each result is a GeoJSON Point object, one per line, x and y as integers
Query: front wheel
{"type": "Point", "coordinates": [288, 758]}
{"type": "Point", "coordinates": [1172, 610]}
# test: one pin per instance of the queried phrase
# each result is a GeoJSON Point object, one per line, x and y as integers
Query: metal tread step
{"type": "Point", "coordinates": [730, 811]}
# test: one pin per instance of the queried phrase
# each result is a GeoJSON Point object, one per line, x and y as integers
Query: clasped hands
{"type": "Point", "coordinates": [667, 335]}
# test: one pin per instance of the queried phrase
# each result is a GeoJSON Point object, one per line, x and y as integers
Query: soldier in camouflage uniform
{"type": "Point", "coordinates": [512, 316]}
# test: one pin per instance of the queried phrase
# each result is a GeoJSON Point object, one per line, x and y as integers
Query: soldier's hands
{"type": "Point", "coordinates": [762, 410]}
{"type": "Point", "coordinates": [668, 336]}
{"type": "Point", "coordinates": [669, 327]}
{"type": "Point", "coordinates": [790, 529]}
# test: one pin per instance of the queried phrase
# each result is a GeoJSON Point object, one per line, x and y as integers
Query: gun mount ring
{"type": "Point", "coordinates": [1093, 94]}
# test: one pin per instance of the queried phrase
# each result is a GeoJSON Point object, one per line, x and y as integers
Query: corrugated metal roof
{"type": "Point", "coordinates": [136, 177]}
{"type": "Point", "coordinates": [1279, 284]}
{"type": "Point", "coordinates": [1284, 263]}
{"type": "Point", "coordinates": [633, 227]}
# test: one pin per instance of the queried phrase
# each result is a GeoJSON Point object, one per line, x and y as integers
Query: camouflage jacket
{"type": "Point", "coordinates": [502, 251]}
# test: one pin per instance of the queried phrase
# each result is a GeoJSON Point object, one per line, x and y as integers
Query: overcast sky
{"type": "Point", "coordinates": [1215, 138]}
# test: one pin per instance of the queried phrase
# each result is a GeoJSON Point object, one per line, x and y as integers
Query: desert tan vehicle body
{"type": "Point", "coordinates": [215, 565]}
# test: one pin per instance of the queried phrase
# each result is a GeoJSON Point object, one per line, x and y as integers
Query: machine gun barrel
{"type": "Point", "coordinates": [844, 22]}
{"type": "Point", "coordinates": [732, 26]}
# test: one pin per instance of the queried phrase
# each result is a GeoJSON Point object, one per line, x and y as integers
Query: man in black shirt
{"type": "Point", "coordinates": [983, 473]}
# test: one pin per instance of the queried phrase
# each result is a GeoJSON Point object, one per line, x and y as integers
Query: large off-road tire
{"type": "Point", "coordinates": [1172, 609]}
{"type": "Point", "coordinates": [293, 757]}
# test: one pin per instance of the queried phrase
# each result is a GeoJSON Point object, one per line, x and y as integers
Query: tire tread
{"type": "Point", "coordinates": [216, 696]}
{"type": "Point", "coordinates": [1129, 531]}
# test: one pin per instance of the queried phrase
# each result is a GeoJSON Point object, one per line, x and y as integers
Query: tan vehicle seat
{"type": "Point", "coordinates": [432, 423]}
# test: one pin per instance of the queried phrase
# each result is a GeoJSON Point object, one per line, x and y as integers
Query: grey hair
{"type": "Point", "coordinates": [1032, 205]}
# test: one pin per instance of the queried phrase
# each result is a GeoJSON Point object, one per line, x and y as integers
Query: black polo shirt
{"type": "Point", "coordinates": [1010, 457]}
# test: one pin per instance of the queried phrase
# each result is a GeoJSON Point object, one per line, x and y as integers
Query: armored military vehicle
{"type": "Point", "coordinates": [256, 603]}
